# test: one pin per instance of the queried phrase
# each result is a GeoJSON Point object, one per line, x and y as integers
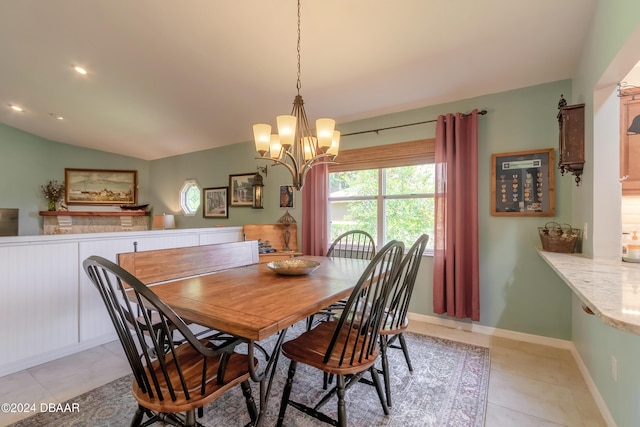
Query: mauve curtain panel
{"type": "Point", "coordinates": [315, 211]}
{"type": "Point", "coordinates": [456, 264]}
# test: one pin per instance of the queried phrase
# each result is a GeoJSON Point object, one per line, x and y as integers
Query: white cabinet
{"type": "Point", "coordinates": [39, 303]}
{"type": "Point", "coordinates": [49, 308]}
{"type": "Point", "coordinates": [630, 142]}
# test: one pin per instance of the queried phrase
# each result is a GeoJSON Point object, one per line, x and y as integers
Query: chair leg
{"type": "Point", "coordinates": [137, 417]}
{"type": "Point", "coordinates": [310, 322]}
{"type": "Point", "coordinates": [342, 406]}
{"type": "Point", "coordinates": [405, 350]}
{"type": "Point", "coordinates": [376, 382]}
{"type": "Point", "coordinates": [385, 368]}
{"type": "Point", "coordinates": [190, 418]}
{"type": "Point", "coordinates": [328, 379]}
{"type": "Point", "coordinates": [286, 393]}
{"type": "Point", "coordinates": [251, 404]}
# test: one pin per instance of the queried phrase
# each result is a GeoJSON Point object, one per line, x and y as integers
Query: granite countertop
{"type": "Point", "coordinates": [609, 288]}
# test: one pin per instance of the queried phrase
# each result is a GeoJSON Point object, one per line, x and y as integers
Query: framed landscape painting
{"type": "Point", "coordinates": [100, 187]}
{"type": "Point", "coordinates": [241, 189]}
{"type": "Point", "coordinates": [216, 202]}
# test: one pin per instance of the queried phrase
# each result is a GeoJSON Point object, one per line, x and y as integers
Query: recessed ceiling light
{"type": "Point", "coordinates": [16, 108]}
{"type": "Point", "coordinates": [80, 70]}
{"type": "Point", "coordinates": [55, 116]}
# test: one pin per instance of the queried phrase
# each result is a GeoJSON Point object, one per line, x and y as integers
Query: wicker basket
{"type": "Point", "coordinates": [556, 238]}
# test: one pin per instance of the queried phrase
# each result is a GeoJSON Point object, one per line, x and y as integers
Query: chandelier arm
{"type": "Point", "coordinates": [295, 168]}
{"type": "Point", "coordinates": [280, 162]}
{"type": "Point", "coordinates": [312, 162]}
{"type": "Point", "coordinates": [328, 162]}
{"type": "Point", "coordinates": [308, 167]}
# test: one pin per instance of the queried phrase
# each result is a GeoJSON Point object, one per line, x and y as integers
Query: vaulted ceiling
{"type": "Point", "coordinates": [168, 77]}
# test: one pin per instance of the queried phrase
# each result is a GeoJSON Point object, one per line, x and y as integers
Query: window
{"type": "Point", "coordinates": [190, 197]}
{"type": "Point", "coordinates": [388, 193]}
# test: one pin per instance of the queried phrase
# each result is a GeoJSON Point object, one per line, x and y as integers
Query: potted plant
{"type": "Point", "coordinates": [53, 192]}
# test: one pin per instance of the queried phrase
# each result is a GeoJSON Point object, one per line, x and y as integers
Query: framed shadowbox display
{"type": "Point", "coordinates": [523, 183]}
{"type": "Point", "coordinates": [216, 202]}
{"type": "Point", "coordinates": [241, 189]}
{"type": "Point", "coordinates": [100, 187]}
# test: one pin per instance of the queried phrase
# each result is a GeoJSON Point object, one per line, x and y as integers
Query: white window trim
{"type": "Point", "coordinates": [381, 199]}
{"type": "Point", "coordinates": [184, 191]}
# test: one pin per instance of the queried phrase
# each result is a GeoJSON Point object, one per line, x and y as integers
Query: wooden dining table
{"type": "Point", "coordinates": [254, 303]}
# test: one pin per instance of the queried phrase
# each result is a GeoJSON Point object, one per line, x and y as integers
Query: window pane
{"type": "Point", "coordinates": [353, 183]}
{"type": "Point", "coordinates": [353, 215]}
{"type": "Point", "coordinates": [193, 199]}
{"type": "Point", "coordinates": [407, 219]}
{"type": "Point", "coordinates": [417, 179]}
{"type": "Point", "coordinates": [190, 197]}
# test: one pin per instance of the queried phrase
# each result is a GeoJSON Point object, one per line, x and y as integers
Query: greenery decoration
{"type": "Point", "coordinates": [53, 192]}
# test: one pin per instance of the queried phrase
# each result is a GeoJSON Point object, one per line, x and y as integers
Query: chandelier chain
{"type": "Point", "coordinates": [294, 146]}
{"type": "Point", "coordinates": [298, 84]}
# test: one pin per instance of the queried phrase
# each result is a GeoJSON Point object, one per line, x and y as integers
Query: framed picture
{"type": "Point", "coordinates": [216, 202]}
{"type": "Point", "coordinates": [100, 187]}
{"type": "Point", "coordinates": [286, 196]}
{"type": "Point", "coordinates": [241, 189]}
{"type": "Point", "coordinates": [523, 183]}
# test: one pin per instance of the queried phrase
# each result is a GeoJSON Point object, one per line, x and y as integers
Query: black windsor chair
{"type": "Point", "coordinates": [169, 377]}
{"type": "Point", "coordinates": [395, 320]}
{"type": "Point", "coordinates": [346, 346]}
{"type": "Point", "coordinates": [353, 244]}
{"type": "Point", "coordinates": [356, 244]}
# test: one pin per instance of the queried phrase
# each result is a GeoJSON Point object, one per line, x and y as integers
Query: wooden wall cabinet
{"type": "Point", "coordinates": [571, 140]}
{"type": "Point", "coordinates": [630, 142]}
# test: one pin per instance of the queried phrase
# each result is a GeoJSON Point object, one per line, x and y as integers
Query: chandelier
{"type": "Point", "coordinates": [294, 146]}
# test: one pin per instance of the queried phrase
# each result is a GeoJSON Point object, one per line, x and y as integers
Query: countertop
{"type": "Point", "coordinates": [609, 288]}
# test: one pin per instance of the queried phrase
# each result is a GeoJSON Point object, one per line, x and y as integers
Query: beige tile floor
{"type": "Point", "coordinates": [530, 385]}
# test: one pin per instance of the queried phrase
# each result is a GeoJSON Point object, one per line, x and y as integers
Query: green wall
{"type": "Point", "coordinates": [211, 168]}
{"type": "Point", "coordinates": [518, 291]}
{"type": "Point", "coordinates": [28, 161]}
{"type": "Point", "coordinates": [613, 48]}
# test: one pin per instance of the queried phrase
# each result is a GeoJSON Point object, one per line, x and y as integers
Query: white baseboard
{"type": "Point", "coordinates": [30, 362]}
{"type": "Point", "coordinates": [495, 332]}
{"type": "Point", "coordinates": [593, 389]}
{"type": "Point", "coordinates": [534, 339]}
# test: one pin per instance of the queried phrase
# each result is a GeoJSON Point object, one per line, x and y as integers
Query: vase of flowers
{"type": "Point", "coordinates": [53, 192]}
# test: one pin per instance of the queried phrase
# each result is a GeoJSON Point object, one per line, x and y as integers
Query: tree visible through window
{"type": "Point", "coordinates": [388, 203]}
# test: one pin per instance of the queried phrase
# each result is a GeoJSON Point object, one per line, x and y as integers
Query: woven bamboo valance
{"type": "Point", "coordinates": [386, 156]}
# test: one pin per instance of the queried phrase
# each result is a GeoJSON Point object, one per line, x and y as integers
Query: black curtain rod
{"type": "Point", "coordinates": [482, 113]}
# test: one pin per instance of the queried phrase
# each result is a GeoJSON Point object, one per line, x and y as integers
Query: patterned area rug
{"type": "Point", "coordinates": [448, 387]}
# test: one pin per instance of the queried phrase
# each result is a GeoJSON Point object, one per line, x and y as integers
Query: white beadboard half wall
{"type": "Point", "coordinates": [49, 307]}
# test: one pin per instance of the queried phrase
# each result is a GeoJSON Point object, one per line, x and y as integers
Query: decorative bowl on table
{"type": "Point", "coordinates": [293, 266]}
